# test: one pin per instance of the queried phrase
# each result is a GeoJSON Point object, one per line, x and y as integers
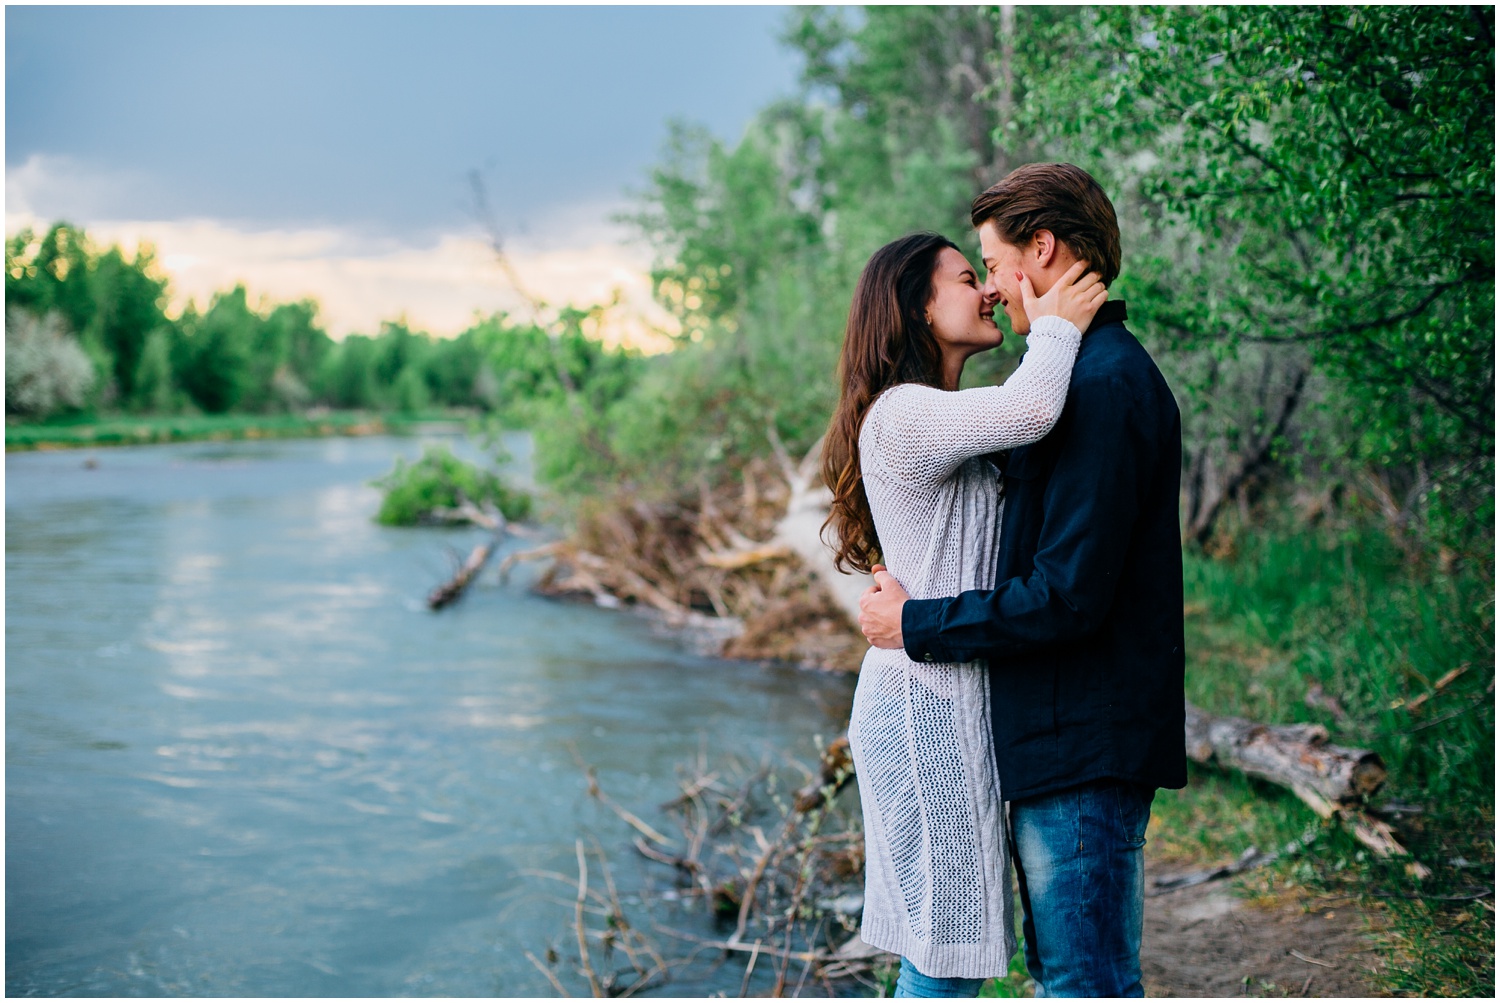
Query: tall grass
{"type": "Point", "coordinates": [1347, 610]}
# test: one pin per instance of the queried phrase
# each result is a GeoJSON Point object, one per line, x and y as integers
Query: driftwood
{"type": "Point", "coordinates": [1329, 778]}
{"type": "Point", "coordinates": [454, 587]}
{"type": "Point", "coordinates": [466, 511]}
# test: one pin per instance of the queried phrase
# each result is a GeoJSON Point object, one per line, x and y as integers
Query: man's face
{"type": "Point", "coordinates": [1002, 261]}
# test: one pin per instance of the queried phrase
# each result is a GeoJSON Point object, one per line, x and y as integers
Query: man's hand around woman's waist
{"type": "Point", "coordinates": [880, 610]}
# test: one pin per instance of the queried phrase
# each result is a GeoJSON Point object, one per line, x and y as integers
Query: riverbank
{"type": "Point", "coordinates": [92, 431]}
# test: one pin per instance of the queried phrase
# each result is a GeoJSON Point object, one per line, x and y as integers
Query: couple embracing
{"type": "Point", "coordinates": [1023, 698]}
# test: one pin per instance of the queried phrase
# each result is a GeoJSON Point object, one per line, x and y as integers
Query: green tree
{"type": "Point", "coordinates": [50, 273]}
{"type": "Point", "coordinates": [348, 373]}
{"type": "Point", "coordinates": [112, 302]}
{"type": "Point", "coordinates": [1325, 180]}
{"type": "Point", "coordinates": [154, 383]}
{"type": "Point", "coordinates": [128, 303]}
{"type": "Point", "coordinates": [214, 362]}
{"type": "Point", "coordinates": [289, 354]}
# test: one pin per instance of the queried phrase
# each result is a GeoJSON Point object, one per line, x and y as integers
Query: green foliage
{"type": "Point", "coordinates": [441, 480]}
{"type": "Point", "coordinates": [51, 273]}
{"type": "Point", "coordinates": [1306, 198]}
{"type": "Point", "coordinates": [1342, 608]}
{"type": "Point", "coordinates": [154, 382]}
{"type": "Point", "coordinates": [214, 355]}
{"type": "Point", "coordinates": [110, 303]}
{"type": "Point", "coordinates": [128, 304]}
{"type": "Point", "coordinates": [347, 373]}
{"type": "Point", "coordinates": [1313, 180]}
{"type": "Point", "coordinates": [759, 245]}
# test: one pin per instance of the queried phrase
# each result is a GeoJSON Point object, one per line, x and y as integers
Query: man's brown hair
{"type": "Point", "coordinates": [1057, 197]}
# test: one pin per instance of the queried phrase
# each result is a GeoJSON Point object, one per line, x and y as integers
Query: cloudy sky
{"type": "Point", "coordinates": [326, 151]}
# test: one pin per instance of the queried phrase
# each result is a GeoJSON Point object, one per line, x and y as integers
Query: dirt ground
{"type": "Point", "coordinates": [1210, 941]}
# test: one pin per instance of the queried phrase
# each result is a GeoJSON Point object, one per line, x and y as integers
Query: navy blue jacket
{"type": "Point", "coordinates": [1083, 632]}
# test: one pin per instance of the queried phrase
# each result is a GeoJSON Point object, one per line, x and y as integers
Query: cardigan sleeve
{"type": "Point", "coordinates": [920, 435]}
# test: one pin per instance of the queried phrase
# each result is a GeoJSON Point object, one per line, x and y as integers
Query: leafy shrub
{"type": "Point", "coordinates": [440, 480]}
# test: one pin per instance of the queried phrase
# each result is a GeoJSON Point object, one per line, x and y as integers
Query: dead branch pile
{"type": "Point", "coordinates": [769, 887]}
{"type": "Point", "coordinates": [712, 561]}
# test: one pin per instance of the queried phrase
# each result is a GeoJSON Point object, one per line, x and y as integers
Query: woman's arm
{"type": "Point", "coordinates": [921, 435]}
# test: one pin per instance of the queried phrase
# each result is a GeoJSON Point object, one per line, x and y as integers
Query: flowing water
{"type": "Point", "coordinates": [243, 759]}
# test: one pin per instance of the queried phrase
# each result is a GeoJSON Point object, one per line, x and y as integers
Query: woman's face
{"type": "Point", "coordinates": [961, 315]}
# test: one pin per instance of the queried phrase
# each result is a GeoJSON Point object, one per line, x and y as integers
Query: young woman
{"type": "Point", "coordinates": [905, 457]}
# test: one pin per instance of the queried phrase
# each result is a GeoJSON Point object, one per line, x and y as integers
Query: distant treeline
{"type": "Point", "coordinates": [87, 330]}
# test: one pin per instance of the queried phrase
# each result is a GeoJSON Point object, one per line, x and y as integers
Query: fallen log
{"type": "Point", "coordinates": [800, 529]}
{"type": "Point", "coordinates": [454, 587]}
{"type": "Point", "coordinates": [1296, 756]}
{"type": "Point", "coordinates": [1332, 780]}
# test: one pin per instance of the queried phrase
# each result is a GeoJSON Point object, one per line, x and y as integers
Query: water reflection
{"type": "Point", "coordinates": [242, 758]}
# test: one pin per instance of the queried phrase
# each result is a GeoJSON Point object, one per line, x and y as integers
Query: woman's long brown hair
{"type": "Point", "coordinates": [887, 341]}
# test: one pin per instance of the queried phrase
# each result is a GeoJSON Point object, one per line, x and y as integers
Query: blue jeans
{"type": "Point", "coordinates": [1080, 863]}
{"type": "Point", "coordinates": [912, 984]}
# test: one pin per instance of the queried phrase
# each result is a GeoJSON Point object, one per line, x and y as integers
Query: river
{"type": "Point", "coordinates": [243, 759]}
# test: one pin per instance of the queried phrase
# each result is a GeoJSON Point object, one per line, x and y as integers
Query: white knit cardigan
{"type": "Point", "coordinates": [937, 875]}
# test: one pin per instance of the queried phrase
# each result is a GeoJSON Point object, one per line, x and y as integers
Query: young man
{"type": "Point", "coordinates": [1083, 632]}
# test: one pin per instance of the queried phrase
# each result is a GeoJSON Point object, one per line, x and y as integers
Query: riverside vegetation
{"type": "Point", "coordinates": [1306, 200]}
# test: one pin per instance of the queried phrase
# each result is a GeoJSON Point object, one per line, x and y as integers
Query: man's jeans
{"type": "Point", "coordinates": [1080, 862]}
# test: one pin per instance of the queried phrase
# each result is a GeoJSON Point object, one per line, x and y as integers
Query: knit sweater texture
{"type": "Point", "coordinates": [937, 875]}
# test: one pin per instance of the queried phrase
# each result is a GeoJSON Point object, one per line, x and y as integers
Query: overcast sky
{"type": "Point", "coordinates": [362, 123]}
{"type": "Point", "coordinates": [373, 115]}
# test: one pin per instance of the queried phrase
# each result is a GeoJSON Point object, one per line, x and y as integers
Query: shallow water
{"type": "Point", "coordinates": [243, 759]}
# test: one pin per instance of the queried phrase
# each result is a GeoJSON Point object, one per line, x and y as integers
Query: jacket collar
{"type": "Point", "coordinates": [1112, 312]}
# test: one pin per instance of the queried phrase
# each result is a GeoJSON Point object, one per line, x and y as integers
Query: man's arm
{"type": "Point", "coordinates": [1089, 508]}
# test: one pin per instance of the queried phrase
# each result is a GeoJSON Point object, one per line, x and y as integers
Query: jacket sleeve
{"type": "Point", "coordinates": [1089, 508]}
{"type": "Point", "coordinates": [920, 435]}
